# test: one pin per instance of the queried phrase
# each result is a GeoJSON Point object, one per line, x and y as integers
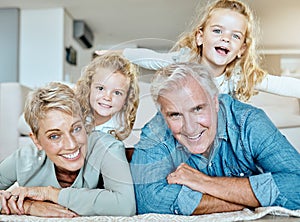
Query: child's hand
{"type": "Point", "coordinates": [102, 52]}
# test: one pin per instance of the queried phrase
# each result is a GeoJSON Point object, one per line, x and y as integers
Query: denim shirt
{"type": "Point", "coordinates": [247, 144]}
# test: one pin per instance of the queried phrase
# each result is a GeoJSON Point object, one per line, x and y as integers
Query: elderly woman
{"type": "Point", "coordinates": [67, 172]}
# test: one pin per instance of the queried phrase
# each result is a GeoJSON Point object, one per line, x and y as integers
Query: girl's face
{"type": "Point", "coordinates": [108, 94]}
{"type": "Point", "coordinates": [63, 138]}
{"type": "Point", "coordinates": [222, 39]}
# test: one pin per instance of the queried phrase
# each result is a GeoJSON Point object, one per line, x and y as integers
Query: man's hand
{"type": "Point", "coordinates": [188, 176]}
{"type": "Point", "coordinates": [229, 189]}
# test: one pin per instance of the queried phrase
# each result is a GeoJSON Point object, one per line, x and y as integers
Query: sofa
{"type": "Point", "coordinates": [12, 98]}
{"type": "Point", "coordinates": [283, 111]}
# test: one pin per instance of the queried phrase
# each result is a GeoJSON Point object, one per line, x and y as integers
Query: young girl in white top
{"type": "Point", "coordinates": [223, 39]}
{"type": "Point", "coordinates": [109, 94]}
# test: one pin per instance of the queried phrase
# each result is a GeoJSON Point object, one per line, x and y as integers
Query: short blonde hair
{"type": "Point", "coordinates": [116, 63]}
{"type": "Point", "coordinates": [53, 96]}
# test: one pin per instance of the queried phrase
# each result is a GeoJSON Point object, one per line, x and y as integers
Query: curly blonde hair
{"type": "Point", "coordinates": [251, 73]}
{"type": "Point", "coordinates": [116, 63]}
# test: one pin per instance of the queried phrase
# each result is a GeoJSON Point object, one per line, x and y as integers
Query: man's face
{"type": "Point", "coordinates": [191, 115]}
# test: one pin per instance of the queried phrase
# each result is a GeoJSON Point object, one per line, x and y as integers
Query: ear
{"type": "Point", "coordinates": [35, 141]}
{"type": "Point", "coordinates": [199, 37]}
{"type": "Point", "coordinates": [242, 50]}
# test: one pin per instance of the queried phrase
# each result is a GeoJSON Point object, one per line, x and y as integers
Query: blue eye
{"type": "Point", "coordinates": [54, 137]}
{"type": "Point", "coordinates": [235, 36]}
{"type": "Point", "coordinates": [218, 31]}
{"type": "Point", "coordinates": [118, 93]}
{"type": "Point", "coordinates": [77, 129]}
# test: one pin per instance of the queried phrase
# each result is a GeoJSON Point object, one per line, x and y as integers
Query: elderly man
{"type": "Point", "coordinates": [204, 153]}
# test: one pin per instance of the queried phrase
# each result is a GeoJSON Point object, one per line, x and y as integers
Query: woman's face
{"type": "Point", "coordinates": [108, 94]}
{"type": "Point", "coordinates": [223, 38]}
{"type": "Point", "coordinates": [63, 138]}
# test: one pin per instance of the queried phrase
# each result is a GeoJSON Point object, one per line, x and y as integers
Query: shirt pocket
{"type": "Point", "coordinates": [235, 169]}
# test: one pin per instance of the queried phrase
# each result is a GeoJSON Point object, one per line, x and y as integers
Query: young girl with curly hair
{"type": "Point", "coordinates": [109, 94]}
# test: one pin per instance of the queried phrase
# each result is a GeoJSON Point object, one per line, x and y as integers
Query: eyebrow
{"type": "Point", "coordinates": [56, 130]}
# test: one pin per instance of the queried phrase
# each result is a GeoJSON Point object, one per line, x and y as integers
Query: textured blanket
{"type": "Point", "coordinates": [243, 215]}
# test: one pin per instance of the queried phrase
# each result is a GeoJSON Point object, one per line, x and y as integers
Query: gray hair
{"type": "Point", "coordinates": [175, 76]}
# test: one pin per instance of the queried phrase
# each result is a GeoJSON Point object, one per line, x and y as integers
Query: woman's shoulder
{"type": "Point", "coordinates": [101, 144]}
{"type": "Point", "coordinates": [102, 140]}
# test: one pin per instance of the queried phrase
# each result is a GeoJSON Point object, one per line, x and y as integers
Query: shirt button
{"type": "Point", "coordinates": [209, 164]}
{"type": "Point", "coordinates": [242, 174]}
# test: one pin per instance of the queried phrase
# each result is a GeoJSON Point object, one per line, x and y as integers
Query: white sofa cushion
{"type": "Point", "coordinates": [12, 98]}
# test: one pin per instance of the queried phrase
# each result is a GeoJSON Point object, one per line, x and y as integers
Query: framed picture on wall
{"type": "Point", "coordinates": [71, 55]}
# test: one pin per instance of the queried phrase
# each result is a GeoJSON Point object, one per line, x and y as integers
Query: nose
{"type": "Point", "coordinates": [190, 125]}
{"type": "Point", "coordinates": [107, 96]}
{"type": "Point", "coordinates": [70, 142]}
{"type": "Point", "coordinates": [225, 37]}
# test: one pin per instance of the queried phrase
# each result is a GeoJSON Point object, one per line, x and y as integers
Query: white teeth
{"type": "Point", "coordinates": [72, 155]}
{"type": "Point", "coordinates": [195, 137]}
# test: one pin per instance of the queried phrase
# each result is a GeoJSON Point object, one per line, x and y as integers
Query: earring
{"type": "Point", "coordinates": [239, 56]}
{"type": "Point", "coordinates": [40, 155]}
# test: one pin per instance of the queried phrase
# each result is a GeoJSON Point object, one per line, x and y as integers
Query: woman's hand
{"type": "Point", "coordinates": [47, 209]}
{"type": "Point", "coordinates": [9, 203]}
{"type": "Point", "coordinates": [35, 193]}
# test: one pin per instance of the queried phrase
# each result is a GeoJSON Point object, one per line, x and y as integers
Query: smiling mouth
{"type": "Point", "coordinates": [222, 50]}
{"type": "Point", "coordinates": [196, 136]}
{"type": "Point", "coordinates": [72, 155]}
{"type": "Point", "coordinates": [105, 105]}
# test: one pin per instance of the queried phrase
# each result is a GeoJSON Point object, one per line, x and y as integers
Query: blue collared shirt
{"type": "Point", "coordinates": [247, 144]}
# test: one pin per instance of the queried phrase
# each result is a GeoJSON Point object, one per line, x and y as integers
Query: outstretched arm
{"type": "Point", "coordinates": [150, 59]}
{"type": "Point", "coordinates": [280, 85]}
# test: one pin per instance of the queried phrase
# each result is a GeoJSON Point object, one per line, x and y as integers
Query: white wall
{"type": "Point", "coordinates": [44, 36]}
{"type": "Point", "coordinates": [41, 45]}
{"type": "Point", "coordinates": [279, 23]}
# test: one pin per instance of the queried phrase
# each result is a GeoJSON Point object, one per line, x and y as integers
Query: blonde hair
{"type": "Point", "coordinates": [53, 96]}
{"type": "Point", "coordinates": [251, 73]}
{"type": "Point", "coordinates": [116, 63]}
